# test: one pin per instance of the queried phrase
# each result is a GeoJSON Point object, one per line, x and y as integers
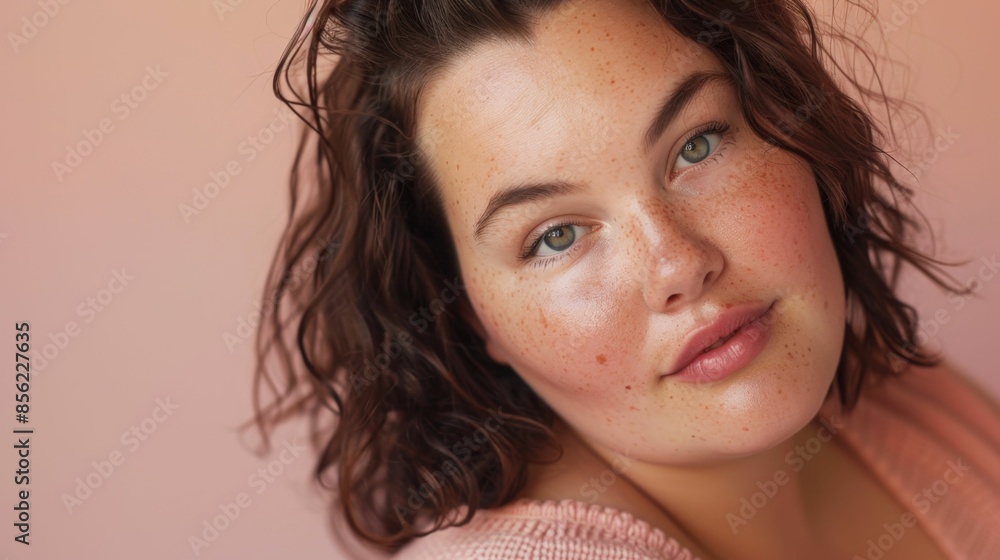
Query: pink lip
{"type": "Point", "coordinates": [749, 326]}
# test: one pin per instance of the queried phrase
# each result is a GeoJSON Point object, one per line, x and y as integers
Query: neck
{"type": "Point", "coordinates": [769, 503]}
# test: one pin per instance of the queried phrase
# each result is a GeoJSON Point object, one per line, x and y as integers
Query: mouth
{"type": "Point", "coordinates": [719, 343]}
{"type": "Point", "coordinates": [726, 344]}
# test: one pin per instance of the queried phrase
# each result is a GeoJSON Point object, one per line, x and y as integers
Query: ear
{"type": "Point", "coordinates": [492, 348]}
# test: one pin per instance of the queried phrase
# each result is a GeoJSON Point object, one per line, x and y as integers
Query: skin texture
{"type": "Point", "coordinates": [662, 247]}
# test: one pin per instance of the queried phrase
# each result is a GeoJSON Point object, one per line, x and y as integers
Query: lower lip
{"type": "Point", "coordinates": [741, 349]}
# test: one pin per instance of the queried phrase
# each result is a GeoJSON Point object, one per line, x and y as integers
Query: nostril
{"type": "Point", "coordinates": [673, 298]}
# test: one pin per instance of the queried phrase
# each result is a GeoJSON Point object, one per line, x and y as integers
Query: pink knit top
{"type": "Point", "coordinates": [931, 439]}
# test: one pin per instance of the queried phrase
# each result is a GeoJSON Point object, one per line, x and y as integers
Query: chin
{"type": "Point", "coordinates": [766, 411]}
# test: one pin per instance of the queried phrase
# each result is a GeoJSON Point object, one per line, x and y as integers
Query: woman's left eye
{"type": "Point", "coordinates": [697, 149]}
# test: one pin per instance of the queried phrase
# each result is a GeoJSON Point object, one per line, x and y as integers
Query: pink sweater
{"type": "Point", "coordinates": [910, 431]}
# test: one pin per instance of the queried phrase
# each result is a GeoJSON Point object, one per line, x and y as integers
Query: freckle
{"type": "Point", "coordinates": [601, 359]}
{"type": "Point", "coordinates": [541, 314]}
{"type": "Point", "coordinates": [591, 49]}
{"type": "Point", "coordinates": [632, 408]}
{"type": "Point", "coordinates": [745, 429]}
{"type": "Point", "coordinates": [612, 81]}
{"type": "Point", "coordinates": [629, 388]}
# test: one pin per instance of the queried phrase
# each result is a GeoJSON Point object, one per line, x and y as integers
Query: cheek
{"type": "Point", "coordinates": [781, 243]}
{"type": "Point", "coordinates": [776, 224]}
{"type": "Point", "coordinates": [567, 338]}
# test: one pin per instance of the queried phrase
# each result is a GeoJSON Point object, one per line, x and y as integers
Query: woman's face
{"type": "Point", "coordinates": [660, 241]}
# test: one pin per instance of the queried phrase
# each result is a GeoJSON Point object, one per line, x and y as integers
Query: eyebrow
{"type": "Point", "coordinates": [675, 101]}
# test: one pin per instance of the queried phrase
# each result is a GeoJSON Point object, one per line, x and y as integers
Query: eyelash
{"type": "Point", "coordinates": [527, 252]}
{"type": "Point", "coordinates": [714, 127]}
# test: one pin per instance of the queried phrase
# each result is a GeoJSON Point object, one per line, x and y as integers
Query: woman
{"type": "Point", "coordinates": [615, 279]}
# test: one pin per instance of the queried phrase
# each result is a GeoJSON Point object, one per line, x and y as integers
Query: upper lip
{"type": "Point", "coordinates": [722, 325]}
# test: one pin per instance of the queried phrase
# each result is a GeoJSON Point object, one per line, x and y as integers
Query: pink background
{"type": "Point", "coordinates": [199, 84]}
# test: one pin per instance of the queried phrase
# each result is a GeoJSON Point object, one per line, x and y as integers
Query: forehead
{"type": "Point", "coordinates": [507, 112]}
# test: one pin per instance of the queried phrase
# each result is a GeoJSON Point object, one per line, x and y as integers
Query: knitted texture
{"type": "Point", "coordinates": [930, 437]}
{"type": "Point", "coordinates": [934, 442]}
{"type": "Point", "coordinates": [548, 530]}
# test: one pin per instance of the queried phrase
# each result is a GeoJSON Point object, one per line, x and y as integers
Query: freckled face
{"type": "Point", "coordinates": [646, 248]}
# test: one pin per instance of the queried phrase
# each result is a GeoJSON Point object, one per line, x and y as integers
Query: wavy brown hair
{"type": "Point", "coordinates": [396, 385]}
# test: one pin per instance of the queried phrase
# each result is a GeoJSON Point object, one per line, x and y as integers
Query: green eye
{"type": "Point", "coordinates": [559, 238]}
{"type": "Point", "coordinates": [698, 149]}
{"type": "Point", "coordinates": [555, 242]}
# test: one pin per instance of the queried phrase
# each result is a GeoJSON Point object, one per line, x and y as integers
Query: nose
{"type": "Point", "coordinates": [678, 261]}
